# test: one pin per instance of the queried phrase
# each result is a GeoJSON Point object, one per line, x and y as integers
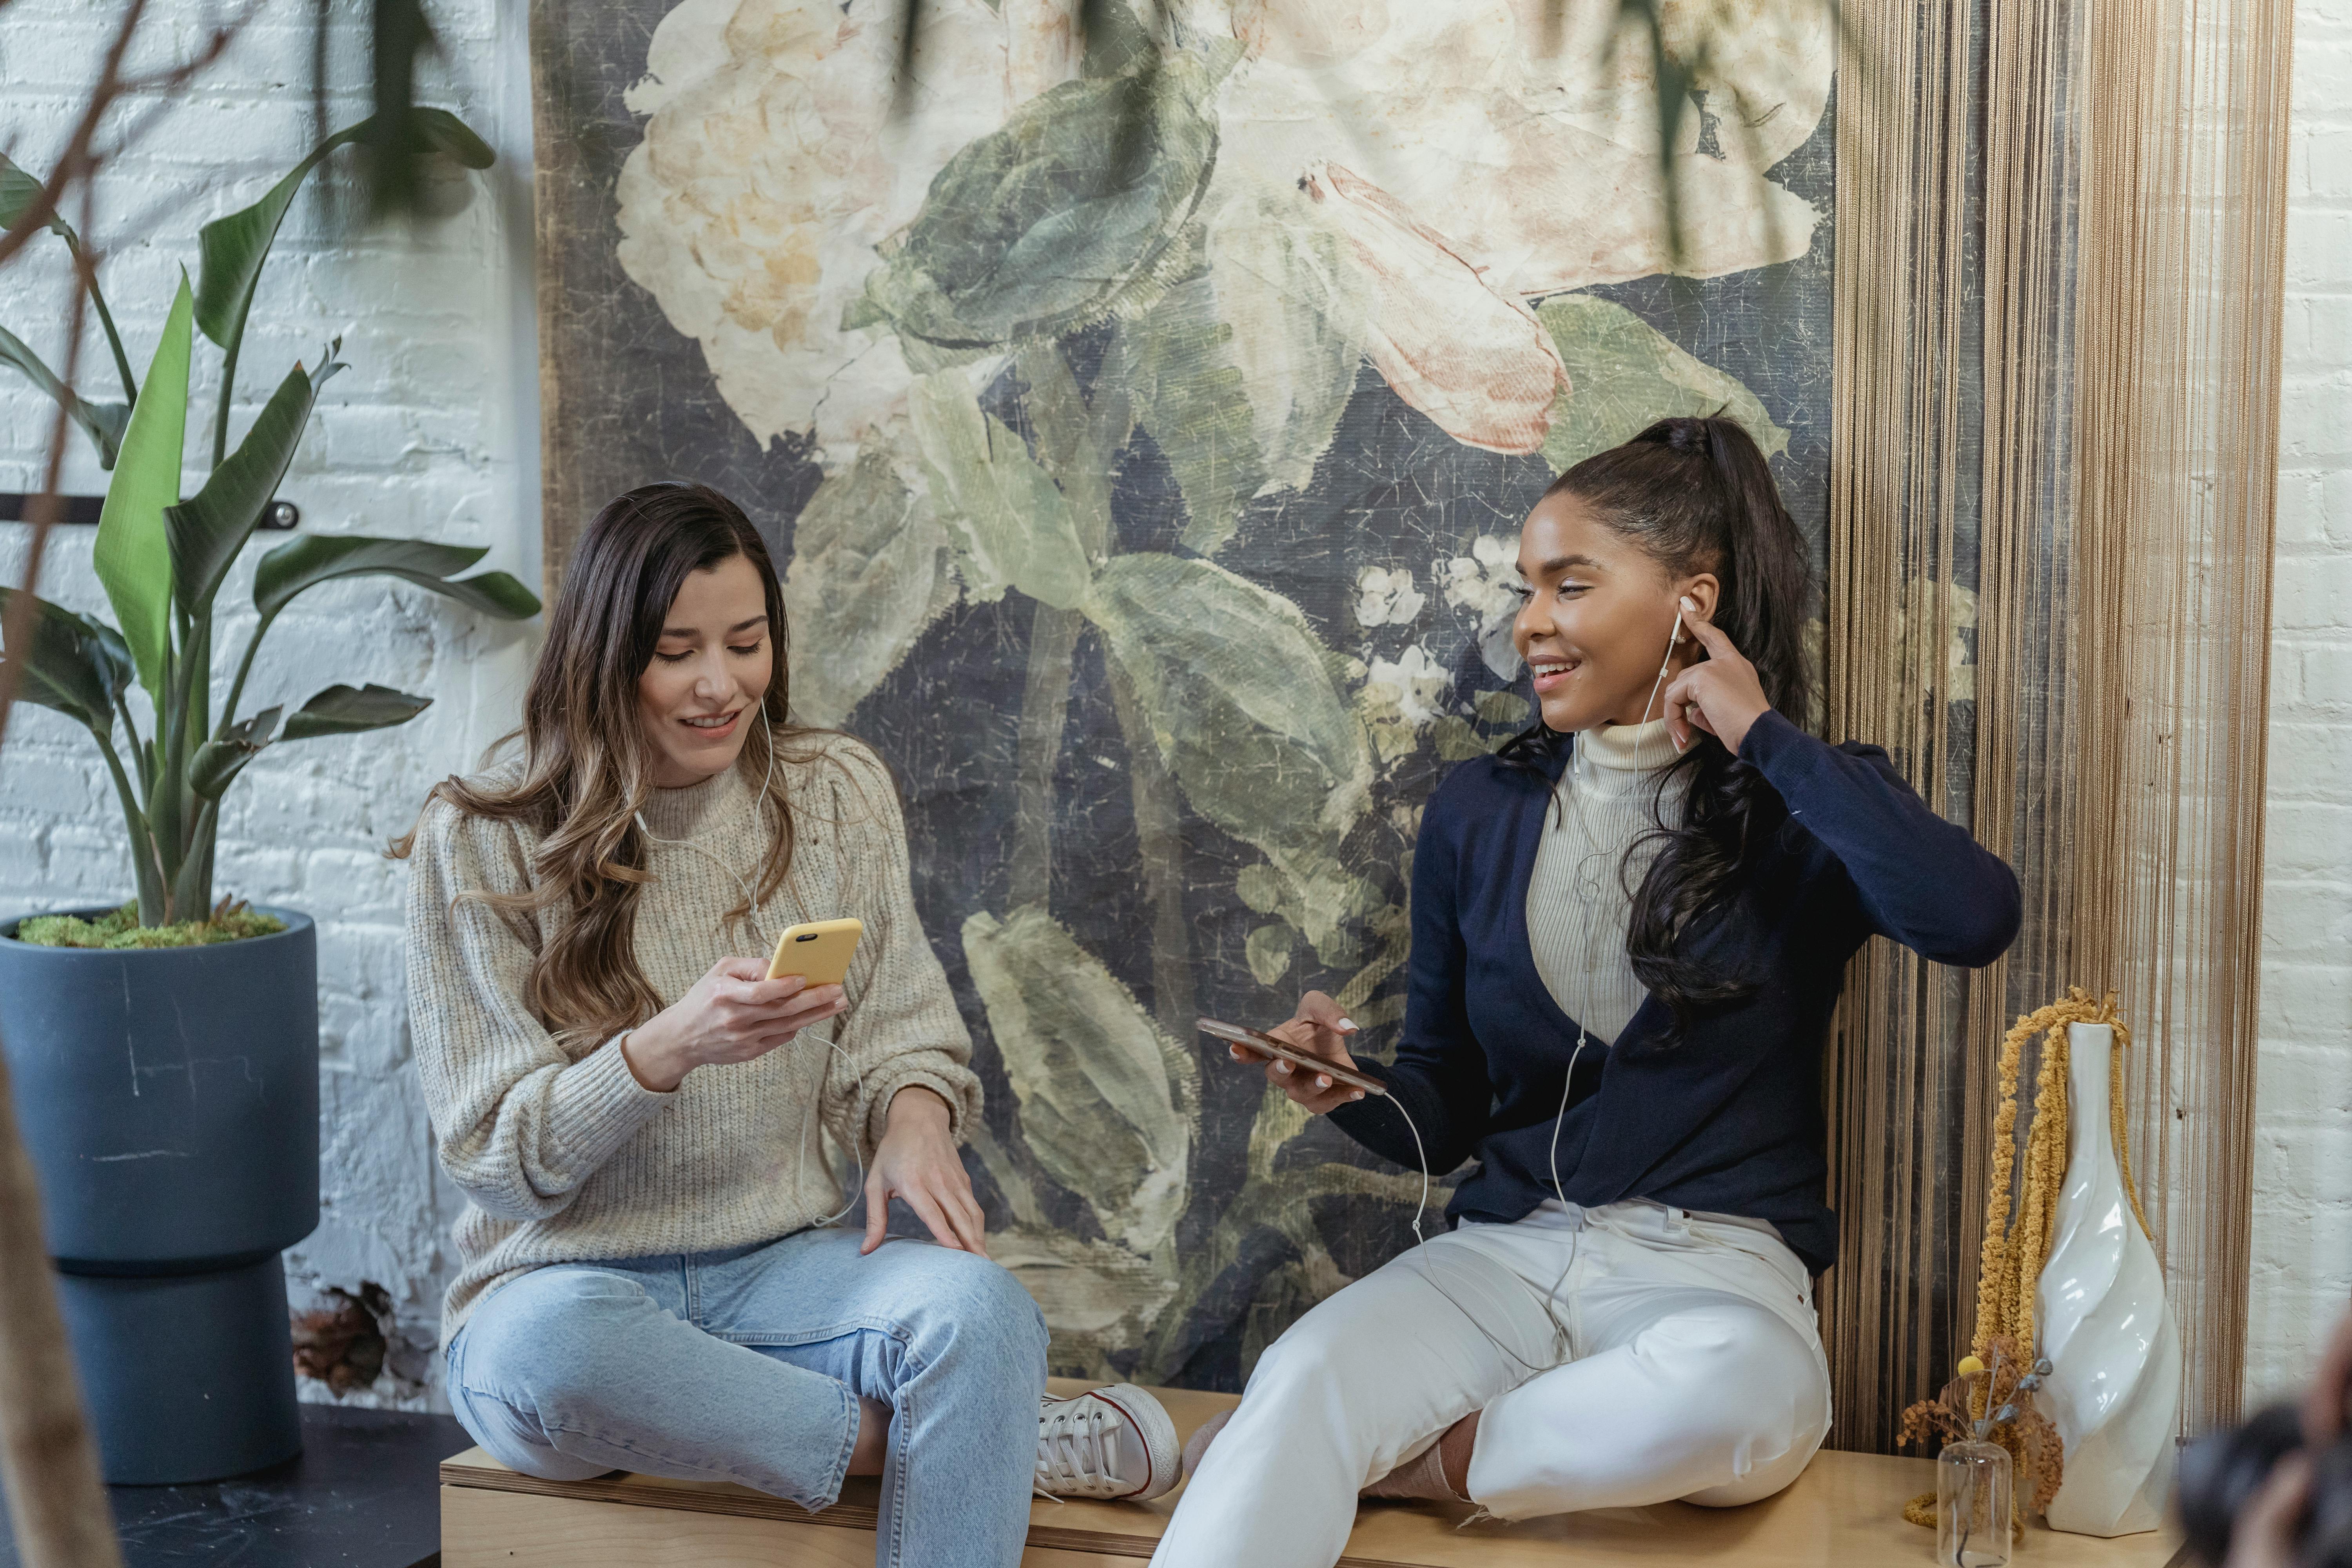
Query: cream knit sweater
{"type": "Point", "coordinates": [563, 1155]}
{"type": "Point", "coordinates": [1577, 904]}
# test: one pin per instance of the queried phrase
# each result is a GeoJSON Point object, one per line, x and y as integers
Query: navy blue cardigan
{"type": "Point", "coordinates": [1728, 1120]}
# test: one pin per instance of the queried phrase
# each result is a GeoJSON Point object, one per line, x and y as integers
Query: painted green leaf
{"type": "Point", "coordinates": [1267, 949]}
{"type": "Point", "coordinates": [77, 666]}
{"type": "Point", "coordinates": [347, 711]}
{"type": "Point", "coordinates": [133, 557]}
{"type": "Point", "coordinates": [1090, 1069]}
{"type": "Point", "coordinates": [1042, 227]}
{"type": "Point", "coordinates": [303, 563]}
{"type": "Point", "coordinates": [1097, 1298]}
{"type": "Point", "coordinates": [103, 423]}
{"type": "Point", "coordinates": [1295, 308]}
{"type": "Point", "coordinates": [1116, 41]}
{"type": "Point", "coordinates": [1012, 527]}
{"type": "Point", "coordinates": [1624, 374]}
{"type": "Point", "coordinates": [868, 574]}
{"type": "Point", "coordinates": [1245, 707]}
{"type": "Point", "coordinates": [1174, 365]}
{"type": "Point", "coordinates": [209, 528]}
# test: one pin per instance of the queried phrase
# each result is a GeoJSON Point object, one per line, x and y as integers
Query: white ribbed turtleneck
{"type": "Point", "coordinates": [1580, 895]}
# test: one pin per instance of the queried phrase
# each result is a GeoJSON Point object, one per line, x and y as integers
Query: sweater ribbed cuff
{"type": "Point", "coordinates": [885, 1088]}
{"type": "Point", "coordinates": [597, 1104]}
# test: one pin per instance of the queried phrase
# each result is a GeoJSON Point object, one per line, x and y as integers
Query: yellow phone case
{"type": "Point", "coordinates": [817, 951]}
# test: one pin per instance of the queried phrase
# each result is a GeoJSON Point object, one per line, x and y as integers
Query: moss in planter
{"type": "Point", "coordinates": [121, 928]}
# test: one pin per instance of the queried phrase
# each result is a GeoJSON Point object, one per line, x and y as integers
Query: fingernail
{"type": "Point", "coordinates": [1346, 1025]}
{"type": "Point", "coordinates": [1282, 1067]}
{"type": "Point", "coordinates": [1322, 1082]}
{"type": "Point", "coordinates": [1357, 1095]}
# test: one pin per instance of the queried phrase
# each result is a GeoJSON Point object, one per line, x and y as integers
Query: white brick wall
{"type": "Point", "coordinates": [2302, 1149]}
{"type": "Point", "coordinates": [433, 431]}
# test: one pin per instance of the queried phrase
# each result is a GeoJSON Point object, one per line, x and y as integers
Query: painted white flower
{"type": "Point", "coordinates": [1412, 682]}
{"type": "Point", "coordinates": [1482, 582]}
{"type": "Point", "coordinates": [772, 164]}
{"type": "Point", "coordinates": [1521, 132]}
{"type": "Point", "coordinates": [1386, 598]}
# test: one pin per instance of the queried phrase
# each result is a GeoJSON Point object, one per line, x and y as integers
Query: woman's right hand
{"type": "Point", "coordinates": [1319, 1030]}
{"type": "Point", "coordinates": [733, 1014]}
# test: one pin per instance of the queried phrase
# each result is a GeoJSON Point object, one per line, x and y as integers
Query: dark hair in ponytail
{"type": "Point", "coordinates": [1698, 496]}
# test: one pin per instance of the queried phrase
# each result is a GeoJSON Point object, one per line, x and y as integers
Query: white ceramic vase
{"type": "Point", "coordinates": [2114, 1392]}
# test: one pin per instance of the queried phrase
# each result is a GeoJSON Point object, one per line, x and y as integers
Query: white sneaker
{"type": "Point", "coordinates": [1114, 1442]}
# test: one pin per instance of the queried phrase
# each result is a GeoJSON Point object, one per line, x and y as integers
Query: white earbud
{"type": "Point", "coordinates": [1666, 663]}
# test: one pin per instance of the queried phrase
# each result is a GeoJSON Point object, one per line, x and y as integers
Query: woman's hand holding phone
{"type": "Point", "coordinates": [733, 1014]}
{"type": "Point", "coordinates": [1320, 1030]}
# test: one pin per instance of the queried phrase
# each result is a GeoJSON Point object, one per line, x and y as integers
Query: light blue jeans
{"type": "Point", "coordinates": [747, 1366]}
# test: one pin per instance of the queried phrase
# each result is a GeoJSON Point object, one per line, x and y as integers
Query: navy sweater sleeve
{"type": "Point", "coordinates": [1922, 880]}
{"type": "Point", "coordinates": [1439, 1076]}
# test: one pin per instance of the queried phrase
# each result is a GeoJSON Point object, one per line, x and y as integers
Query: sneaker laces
{"type": "Point", "coordinates": [1077, 1445]}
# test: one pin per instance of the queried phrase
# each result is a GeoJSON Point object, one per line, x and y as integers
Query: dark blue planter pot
{"type": "Point", "coordinates": [170, 1101]}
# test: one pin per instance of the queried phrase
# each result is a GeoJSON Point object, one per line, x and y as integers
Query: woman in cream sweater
{"type": "Point", "coordinates": [650, 1276]}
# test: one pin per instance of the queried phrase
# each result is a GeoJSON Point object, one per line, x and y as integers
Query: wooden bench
{"type": "Point", "coordinates": [1845, 1511]}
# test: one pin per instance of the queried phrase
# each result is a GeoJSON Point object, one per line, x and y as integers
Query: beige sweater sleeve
{"type": "Point", "coordinates": [901, 1028]}
{"type": "Point", "coordinates": [519, 1122]}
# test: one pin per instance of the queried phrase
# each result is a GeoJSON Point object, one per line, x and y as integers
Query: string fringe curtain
{"type": "Point", "coordinates": [2055, 411]}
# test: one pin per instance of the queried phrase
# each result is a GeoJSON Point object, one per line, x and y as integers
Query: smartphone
{"type": "Point", "coordinates": [817, 951]}
{"type": "Point", "coordinates": [1258, 1040]}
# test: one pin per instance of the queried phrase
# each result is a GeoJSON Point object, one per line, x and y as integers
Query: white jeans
{"type": "Point", "coordinates": [1685, 1363]}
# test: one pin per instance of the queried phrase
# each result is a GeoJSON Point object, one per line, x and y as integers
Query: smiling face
{"type": "Point", "coordinates": [1595, 614]}
{"type": "Point", "coordinates": [698, 698]}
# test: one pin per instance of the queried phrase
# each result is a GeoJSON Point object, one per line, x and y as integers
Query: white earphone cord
{"type": "Point", "coordinates": [751, 899]}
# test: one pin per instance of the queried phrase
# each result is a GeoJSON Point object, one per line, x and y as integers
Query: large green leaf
{"type": "Point", "coordinates": [1042, 226]}
{"type": "Point", "coordinates": [1296, 308]}
{"type": "Point", "coordinates": [1013, 527]}
{"type": "Point", "coordinates": [133, 557]}
{"type": "Point", "coordinates": [1245, 705]}
{"type": "Point", "coordinates": [17, 192]}
{"type": "Point", "coordinates": [347, 711]}
{"type": "Point", "coordinates": [299, 565]}
{"type": "Point", "coordinates": [217, 763]}
{"type": "Point", "coordinates": [233, 248]}
{"type": "Point", "coordinates": [1099, 1299]}
{"type": "Point", "coordinates": [208, 528]}
{"type": "Point", "coordinates": [1174, 363]}
{"type": "Point", "coordinates": [1099, 1108]}
{"type": "Point", "coordinates": [868, 574]}
{"type": "Point", "coordinates": [1624, 374]}
{"type": "Point", "coordinates": [78, 666]}
{"type": "Point", "coordinates": [103, 423]}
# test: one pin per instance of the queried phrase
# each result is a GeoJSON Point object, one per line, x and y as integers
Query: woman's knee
{"type": "Point", "coordinates": [536, 1343]}
{"type": "Point", "coordinates": [978, 1305]}
{"type": "Point", "coordinates": [1744, 1388]}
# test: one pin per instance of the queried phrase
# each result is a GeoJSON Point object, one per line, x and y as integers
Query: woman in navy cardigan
{"type": "Point", "coordinates": [1629, 930]}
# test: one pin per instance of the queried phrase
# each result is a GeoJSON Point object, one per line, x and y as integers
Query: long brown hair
{"type": "Point", "coordinates": [587, 765]}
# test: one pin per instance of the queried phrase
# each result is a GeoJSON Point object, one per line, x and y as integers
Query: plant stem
{"type": "Point", "coordinates": [134, 821]}
{"type": "Point", "coordinates": [1044, 710]}
{"type": "Point", "coordinates": [142, 760]}
{"type": "Point", "coordinates": [227, 391]}
{"type": "Point", "coordinates": [113, 338]}
{"type": "Point", "coordinates": [244, 668]}
{"type": "Point", "coordinates": [1160, 837]}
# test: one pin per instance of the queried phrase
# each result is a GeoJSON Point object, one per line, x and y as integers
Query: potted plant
{"type": "Point", "coordinates": [165, 1054]}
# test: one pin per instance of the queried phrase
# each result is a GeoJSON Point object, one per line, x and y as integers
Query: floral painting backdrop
{"type": "Point", "coordinates": [1143, 423]}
